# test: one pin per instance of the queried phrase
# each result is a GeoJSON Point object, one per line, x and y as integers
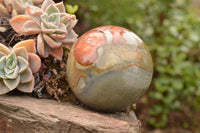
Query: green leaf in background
{"type": "Point", "coordinates": [71, 9]}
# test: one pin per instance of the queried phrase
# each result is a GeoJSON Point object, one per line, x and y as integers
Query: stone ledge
{"type": "Point", "coordinates": [22, 114]}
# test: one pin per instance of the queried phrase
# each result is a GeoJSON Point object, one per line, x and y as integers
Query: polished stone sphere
{"type": "Point", "coordinates": [109, 68]}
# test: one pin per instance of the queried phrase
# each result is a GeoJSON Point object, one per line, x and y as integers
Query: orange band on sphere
{"type": "Point", "coordinates": [85, 50]}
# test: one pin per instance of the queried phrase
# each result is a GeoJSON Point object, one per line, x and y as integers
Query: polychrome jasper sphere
{"type": "Point", "coordinates": [109, 68]}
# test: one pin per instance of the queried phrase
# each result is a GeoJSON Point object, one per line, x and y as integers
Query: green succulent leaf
{"type": "Point", "coordinates": [11, 61]}
{"type": "Point", "coordinates": [41, 46]}
{"type": "Point", "coordinates": [2, 64]}
{"type": "Point", "coordinates": [3, 88]}
{"type": "Point", "coordinates": [46, 30]}
{"type": "Point", "coordinates": [12, 83]}
{"type": "Point", "coordinates": [61, 29]}
{"type": "Point", "coordinates": [44, 18]}
{"type": "Point", "coordinates": [26, 87]}
{"type": "Point", "coordinates": [61, 7]}
{"type": "Point", "coordinates": [63, 18]}
{"type": "Point", "coordinates": [26, 76]}
{"type": "Point", "coordinates": [47, 24]}
{"type": "Point", "coordinates": [8, 71]}
{"type": "Point", "coordinates": [54, 18]}
{"type": "Point", "coordinates": [52, 26]}
{"type": "Point", "coordinates": [70, 37]}
{"type": "Point", "coordinates": [22, 52]}
{"type": "Point", "coordinates": [23, 64]}
{"type": "Point", "coordinates": [52, 9]}
{"type": "Point", "coordinates": [14, 74]}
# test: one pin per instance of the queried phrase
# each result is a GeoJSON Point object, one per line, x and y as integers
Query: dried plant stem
{"type": "Point", "coordinates": [12, 39]}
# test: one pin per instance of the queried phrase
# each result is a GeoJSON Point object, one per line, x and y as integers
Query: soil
{"type": "Point", "coordinates": [51, 80]}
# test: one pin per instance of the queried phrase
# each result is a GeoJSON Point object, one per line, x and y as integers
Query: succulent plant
{"type": "Point", "coordinates": [109, 68]}
{"type": "Point", "coordinates": [17, 66]}
{"type": "Point", "coordinates": [52, 24]}
{"type": "Point", "coordinates": [12, 8]}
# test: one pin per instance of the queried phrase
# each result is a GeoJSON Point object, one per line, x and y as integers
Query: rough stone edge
{"type": "Point", "coordinates": [21, 114]}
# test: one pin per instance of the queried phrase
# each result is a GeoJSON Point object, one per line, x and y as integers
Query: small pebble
{"type": "Point", "coordinates": [2, 29]}
{"type": "Point", "coordinates": [55, 61]}
{"type": "Point", "coordinates": [54, 71]}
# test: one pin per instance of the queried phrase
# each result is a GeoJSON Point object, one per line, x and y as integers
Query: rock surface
{"type": "Point", "coordinates": [22, 114]}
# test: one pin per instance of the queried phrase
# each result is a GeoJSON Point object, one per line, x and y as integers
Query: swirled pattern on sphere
{"type": "Point", "coordinates": [109, 68]}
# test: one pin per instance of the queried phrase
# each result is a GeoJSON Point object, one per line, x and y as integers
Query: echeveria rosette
{"type": "Point", "coordinates": [12, 8]}
{"type": "Point", "coordinates": [17, 66]}
{"type": "Point", "coordinates": [52, 24]}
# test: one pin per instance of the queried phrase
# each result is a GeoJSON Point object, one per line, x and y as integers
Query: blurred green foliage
{"type": "Point", "coordinates": [172, 33]}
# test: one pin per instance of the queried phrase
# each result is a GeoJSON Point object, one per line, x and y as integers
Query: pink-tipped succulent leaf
{"type": "Point", "coordinates": [17, 66]}
{"type": "Point", "coordinates": [52, 24]}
